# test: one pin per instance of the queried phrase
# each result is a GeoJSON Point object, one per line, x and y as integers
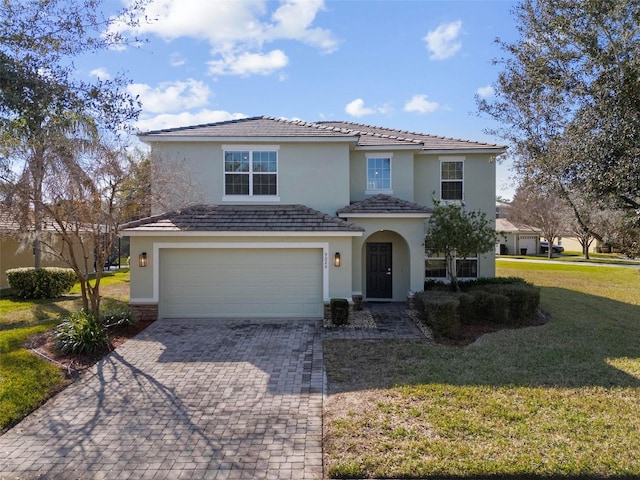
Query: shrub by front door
{"type": "Point", "coordinates": [379, 275]}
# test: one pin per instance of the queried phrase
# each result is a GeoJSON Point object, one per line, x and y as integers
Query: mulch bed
{"type": "Point", "coordinates": [470, 333]}
{"type": "Point", "coordinates": [43, 345]}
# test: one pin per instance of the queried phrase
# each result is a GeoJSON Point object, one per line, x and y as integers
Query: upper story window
{"type": "Point", "coordinates": [378, 173]}
{"type": "Point", "coordinates": [451, 179]}
{"type": "Point", "coordinates": [250, 172]}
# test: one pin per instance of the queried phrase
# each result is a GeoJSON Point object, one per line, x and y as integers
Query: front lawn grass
{"type": "Point", "coordinates": [559, 400]}
{"type": "Point", "coordinates": [26, 381]}
{"type": "Point", "coordinates": [16, 311]}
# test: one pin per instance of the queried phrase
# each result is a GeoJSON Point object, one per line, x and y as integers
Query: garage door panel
{"type": "Point", "coordinates": [241, 283]}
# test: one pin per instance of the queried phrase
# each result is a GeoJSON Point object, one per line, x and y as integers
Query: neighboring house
{"type": "Point", "coordinates": [298, 213]}
{"type": "Point", "coordinates": [15, 252]}
{"type": "Point", "coordinates": [516, 239]}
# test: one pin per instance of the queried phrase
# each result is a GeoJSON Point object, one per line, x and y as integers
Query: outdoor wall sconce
{"type": "Point", "coordinates": [336, 259]}
{"type": "Point", "coordinates": [142, 259]}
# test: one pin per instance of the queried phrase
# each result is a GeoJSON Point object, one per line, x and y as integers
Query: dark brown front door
{"type": "Point", "coordinates": [379, 284]}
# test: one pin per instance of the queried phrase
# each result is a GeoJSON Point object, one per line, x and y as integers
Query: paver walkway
{"type": "Point", "coordinates": [185, 399]}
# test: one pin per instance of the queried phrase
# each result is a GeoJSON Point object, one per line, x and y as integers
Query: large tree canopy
{"type": "Point", "coordinates": [39, 40]}
{"type": "Point", "coordinates": [55, 163]}
{"type": "Point", "coordinates": [568, 97]}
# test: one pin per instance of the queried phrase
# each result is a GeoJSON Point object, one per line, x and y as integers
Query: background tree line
{"type": "Point", "coordinates": [568, 102]}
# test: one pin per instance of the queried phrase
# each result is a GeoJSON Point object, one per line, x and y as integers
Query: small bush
{"type": "Point", "coordinates": [469, 285]}
{"type": "Point", "coordinates": [506, 301]}
{"type": "Point", "coordinates": [116, 317]}
{"type": "Point", "coordinates": [440, 312]}
{"type": "Point", "coordinates": [523, 298]}
{"type": "Point", "coordinates": [339, 311]}
{"type": "Point", "coordinates": [49, 282]}
{"type": "Point", "coordinates": [81, 333]}
{"type": "Point", "coordinates": [481, 305]}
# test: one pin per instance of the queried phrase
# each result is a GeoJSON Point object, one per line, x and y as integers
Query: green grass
{"type": "Point", "coordinates": [578, 257]}
{"type": "Point", "coordinates": [15, 311]}
{"type": "Point", "coordinates": [26, 380]}
{"type": "Point", "coordinates": [559, 400]}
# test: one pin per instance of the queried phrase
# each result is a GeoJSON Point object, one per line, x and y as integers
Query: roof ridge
{"type": "Point", "coordinates": [304, 123]}
{"type": "Point", "coordinates": [209, 124]}
{"type": "Point", "coordinates": [408, 132]}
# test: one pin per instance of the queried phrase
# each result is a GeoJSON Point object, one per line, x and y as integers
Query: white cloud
{"type": "Point", "coordinates": [100, 73]}
{"type": "Point", "coordinates": [357, 108]}
{"type": "Point", "coordinates": [420, 104]}
{"type": "Point", "coordinates": [236, 29]}
{"type": "Point", "coordinates": [177, 60]}
{"type": "Point", "coordinates": [185, 119]}
{"type": "Point", "coordinates": [442, 42]}
{"type": "Point", "coordinates": [171, 96]}
{"type": "Point", "coordinates": [293, 20]}
{"type": "Point", "coordinates": [247, 64]}
{"type": "Point", "coordinates": [486, 92]}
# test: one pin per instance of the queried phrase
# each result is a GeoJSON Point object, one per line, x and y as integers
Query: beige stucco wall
{"type": "Point", "coordinates": [479, 177]}
{"type": "Point", "coordinates": [402, 185]}
{"type": "Point", "coordinates": [142, 278]}
{"type": "Point", "coordinates": [14, 255]}
{"type": "Point", "coordinates": [311, 174]}
{"type": "Point", "coordinates": [571, 244]}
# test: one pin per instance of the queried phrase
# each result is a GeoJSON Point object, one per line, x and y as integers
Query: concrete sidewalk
{"type": "Point", "coordinates": [185, 399]}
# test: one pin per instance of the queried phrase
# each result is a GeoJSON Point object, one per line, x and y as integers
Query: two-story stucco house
{"type": "Point", "coordinates": [298, 213]}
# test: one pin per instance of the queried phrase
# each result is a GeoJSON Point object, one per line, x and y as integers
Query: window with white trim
{"type": "Point", "coordinates": [435, 266]}
{"type": "Point", "coordinates": [251, 173]}
{"type": "Point", "coordinates": [451, 179]}
{"type": "Point", "coordinates": [378, 173]}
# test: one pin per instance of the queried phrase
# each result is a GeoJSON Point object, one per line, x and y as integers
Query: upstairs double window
{"type": "Point", "coordinates": [251, 173]}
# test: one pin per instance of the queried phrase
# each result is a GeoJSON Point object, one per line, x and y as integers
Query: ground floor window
{"type": "Point", "coordinates": [436, 267]}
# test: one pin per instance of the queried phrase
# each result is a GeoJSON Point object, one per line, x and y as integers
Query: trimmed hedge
{"type": "Point", "coordinates": [339, 311]}
{"type": "Point", "coordinates": [523, 299]}
{"type": "Point", "coordinates": [48, 282]}
{"type": "Point", "coordinates": [480, 305]}
{"type": "Point", "coordinates": [468, 285]}
{"type": "Point", "coordinates": [441, 313]}
{"type": "Point", "coordinates": [502, 301]}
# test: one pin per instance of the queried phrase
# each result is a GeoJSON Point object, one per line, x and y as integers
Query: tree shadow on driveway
{"type": "Point", "coordinates": [181, 399]}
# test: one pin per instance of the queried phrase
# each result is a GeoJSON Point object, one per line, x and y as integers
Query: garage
{"type": "Point", "coordinates": [530, 242]}
{"type": "Point", "coordinates": [240, 282]}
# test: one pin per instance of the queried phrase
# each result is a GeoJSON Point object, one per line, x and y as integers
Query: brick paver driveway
{"type": "Point", "coordinates": [185, 399]}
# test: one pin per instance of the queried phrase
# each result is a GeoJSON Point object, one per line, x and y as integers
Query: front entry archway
{"type": "Point", "coordinates": [379, 273]}
{"type": "Point", "coordinates": [385, 267]}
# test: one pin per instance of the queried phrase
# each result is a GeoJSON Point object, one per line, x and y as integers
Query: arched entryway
{"type": "Point", "coordinates": [386, 266]}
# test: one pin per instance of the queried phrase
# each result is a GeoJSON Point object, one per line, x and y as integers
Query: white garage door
{"type": "Point", "coordinates": [240, 283]}
{"type": "Point", "coordinates": [528, 242]}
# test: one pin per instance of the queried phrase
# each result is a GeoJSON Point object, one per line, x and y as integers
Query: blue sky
{"type": "Point", "coordinates": [412, 65]}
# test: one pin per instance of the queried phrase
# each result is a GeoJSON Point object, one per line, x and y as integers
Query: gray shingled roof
{"type": "Point", "coordinates": [379, 136]}
{"type": "Point", "coordinates": [365, 135]}
{"type": "Point", "coordinates": [254, 127]}
{"type": "Point", "coordinates": [384, 204]}
{"type": "Point", "coordinates": [504, 225]}
{"type": "Point", "coordinates": [242, 218]}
